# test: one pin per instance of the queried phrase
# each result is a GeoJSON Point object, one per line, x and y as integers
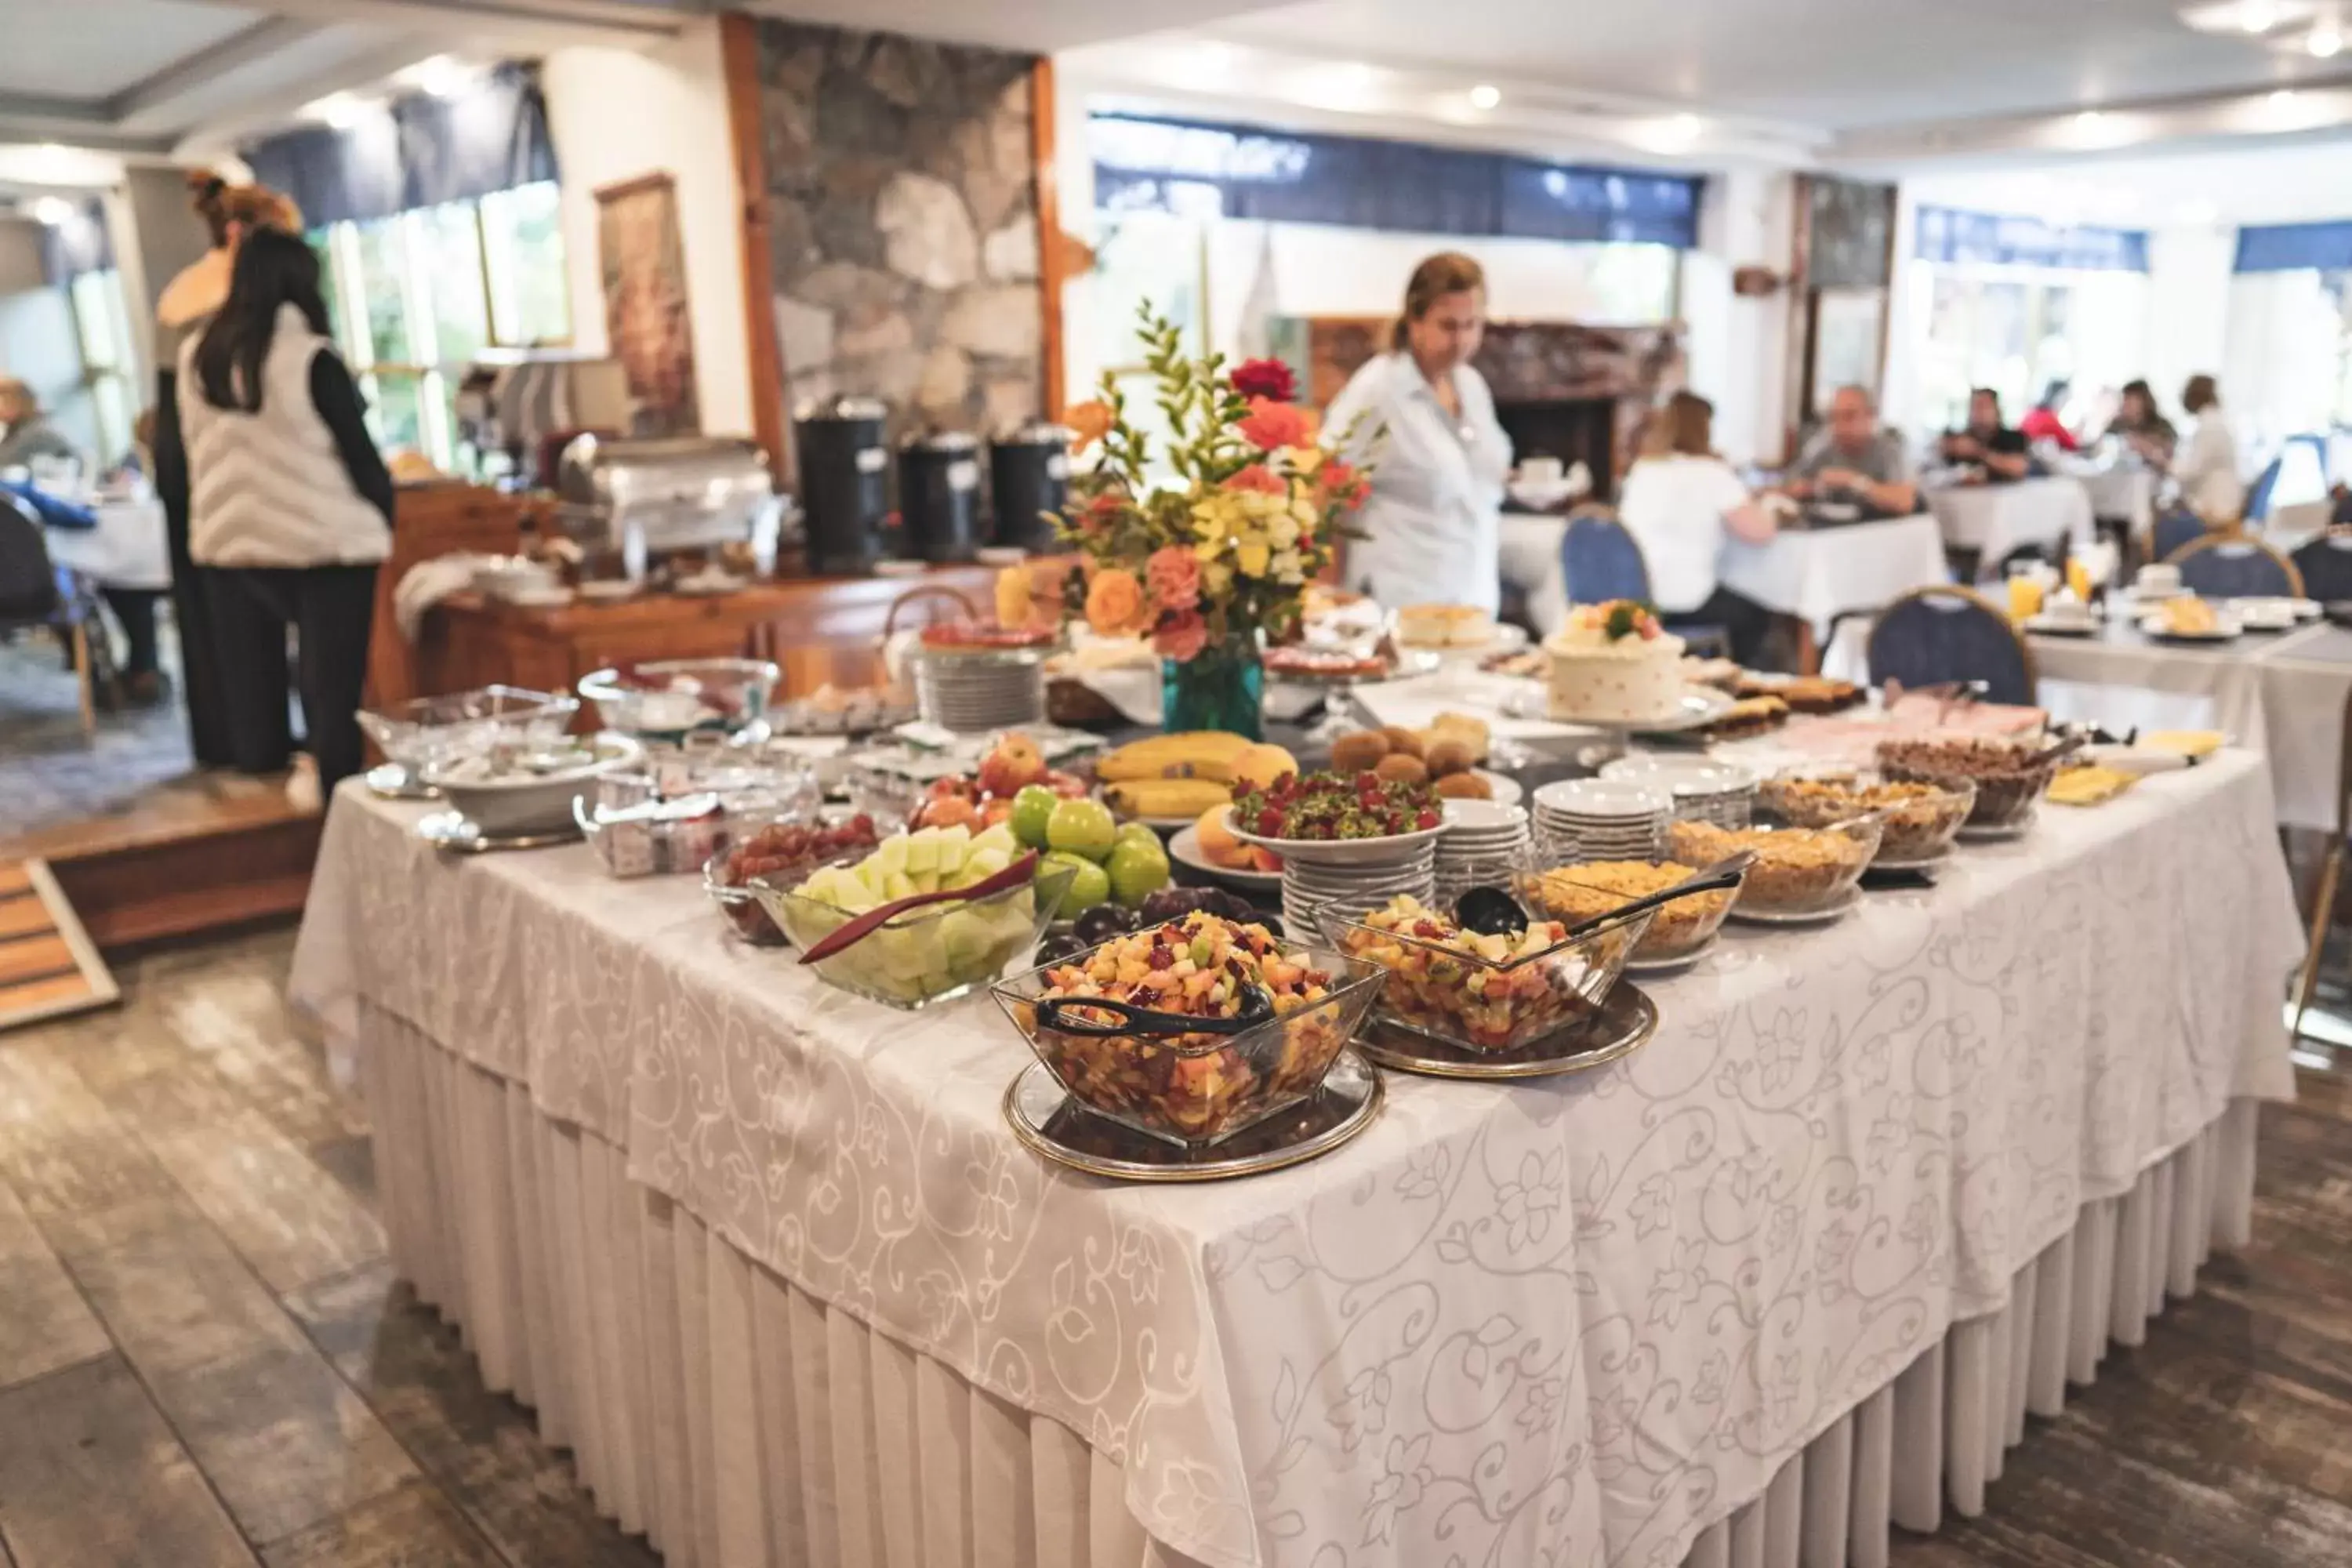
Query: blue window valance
{"type": "Point", "coordinates": [416, 151]}
{"type": "Point", "coordinates": [2293, 247]}
{"type": "Point", "coordinates": [1244, 172]}
{"type": "Point", "coordinates": [1948, 234]}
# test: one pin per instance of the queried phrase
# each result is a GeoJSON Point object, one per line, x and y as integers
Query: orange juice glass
{"type": "Point", "coordinates": [2024, 597]}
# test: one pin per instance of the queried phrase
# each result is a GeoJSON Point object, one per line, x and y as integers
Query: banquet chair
{"type": "Point", "coordinates": [1930, 635]}
{"type": "Point", "coordinates": [35, 591]}
{"type": "Point", "coordinates": [2173, 530]}
{"type": "Point", "coordinates": [2257, 506]}
{"type": "Point", "coordinates": [2231, 566]}
{"type": "Point", "coordinates": [2331, 874]}
{"type": "Point", "coordinates": [2325, 564]}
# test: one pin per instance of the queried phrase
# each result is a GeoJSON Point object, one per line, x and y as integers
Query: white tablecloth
{"type": "Point", "coordinates": [126, 550]}
{"type": "Point", "coordinates": [1994, 519]}
{"type": "Point", "coordinates": [2125, 490]}
{"type": "Point", "coordinates": [1590, 1317]}
{"type": "Point", "coordinates": [2282, 695]}
{"type": "Point", "coordinates": [1819, 573]}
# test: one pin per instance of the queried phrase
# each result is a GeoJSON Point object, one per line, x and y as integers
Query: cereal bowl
{"type": "Point", "coordinates": [1588, 890]}
{"type": "Point", "coordinates": [1798, 871]}
{"type": "Point", "coordinates": [2009, 775]}
{"type": "Point", "coordinates": [1921, 818]}
{"type": "Point", "coordinates": [1481, 992]}
{"type": "Point", "coordinates": [1194, 1088]}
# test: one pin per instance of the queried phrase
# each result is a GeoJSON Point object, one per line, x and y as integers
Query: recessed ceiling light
{"type": "Point", "coordinates": [54, 211]}
{"type": "Point", "coordinates": [2089, 120]}
{"type": "Point", "coordinates": [2196, 212]}
{"type": "Point", "coordinates": [2254, 17]}
{"type": "Point", "coordinates": [443, 76]}
{"type": "Point", "coordinates": [1486, 96]}
{"type": "Point", "coordinates": [2323, 43]}
{"type": "Point", "coordinates": [337, 110]}
{"type": "Point", "coordinates": [2282, 97]}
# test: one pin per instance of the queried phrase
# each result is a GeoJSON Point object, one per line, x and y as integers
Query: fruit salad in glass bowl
{"type": "Point", "coordinates": [1272, 1018]}
{"type": "Point", "coordinates": [1481, 991]}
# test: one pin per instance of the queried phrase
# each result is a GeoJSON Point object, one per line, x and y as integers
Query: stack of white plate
{"type": "Point", "coordinates": [972, 693]}
{"type": "Point", "coordinates": [1352, 891]}
{"type": "Point", "coordinates": [1485, 842]}
{"type": "Point", "coordinates": [1599, 820]}
{"type": "Point", "coordinates": [1703, 789]}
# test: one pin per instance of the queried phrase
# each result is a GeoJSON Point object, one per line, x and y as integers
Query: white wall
{"type": "Point", "coordinates": [2188, 305]}
{"type": "Point", "coordinates": [616, 114]}
{"type": "Point", "coordinates": [1739, 347]}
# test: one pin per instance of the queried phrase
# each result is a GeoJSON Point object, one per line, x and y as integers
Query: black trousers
{"type": "Point", "coordinates": [193, 592]}
{"type": "Point", "coordinates": [330, 608]}
{"type": "Point", "coordinates": [1747, 623]}
{"type": "Point", "coordinates": [135, 609]}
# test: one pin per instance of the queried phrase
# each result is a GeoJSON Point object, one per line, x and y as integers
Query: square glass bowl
{"type": "Point", "coordinates": [667, 700]}
{"type": "Point", "coordinates": [1197, 1090]}
{"type": "Point", "coordinates": [436, 729]}
{"type": "Point", "coordinates": [1798, 871]}
{"type": "Point", "coordinates": [1441, 987]}
{"type": "Point", "coordinates": [1586, 890]}
{"type": "Point", "coordinates": [927, 955]}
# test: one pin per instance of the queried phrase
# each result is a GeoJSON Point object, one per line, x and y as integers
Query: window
{"type": "Point", "coordinates": [416, 297]}
{"type": "Point", "coordinates": [102, 326]}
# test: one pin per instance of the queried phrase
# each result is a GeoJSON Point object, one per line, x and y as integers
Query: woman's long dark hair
{"type": "Point", "coordinates": [273, 269]}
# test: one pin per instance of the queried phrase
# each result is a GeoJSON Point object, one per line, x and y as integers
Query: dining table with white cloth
{"type": "Point", "coordinates": [127, 549]}
{"type": "Point", "coordinates": [765, 1257]}
{"type": "Point", "coordinates": [1995, 519]}
{"type": "Point", "coordinates": [1818, 573]}
{"type": "Point", "coordinates": [2116, 489]}
{"type": "Point", "coordinates": [2282, 693]}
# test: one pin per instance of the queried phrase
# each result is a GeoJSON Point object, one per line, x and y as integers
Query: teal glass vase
{"type": "Point", "coordinates": [1223, 687]}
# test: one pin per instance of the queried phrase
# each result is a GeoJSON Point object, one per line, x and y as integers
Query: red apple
{"type": "Point", "coordinates": [1012, 765]}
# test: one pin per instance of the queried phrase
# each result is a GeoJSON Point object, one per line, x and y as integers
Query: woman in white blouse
{"type": "Point", "coordinates": [1681, 502]}
{"type": "Point", "coordinates": [2206, 465]}
{"type": "Point", "coordinates": [1440, 454]}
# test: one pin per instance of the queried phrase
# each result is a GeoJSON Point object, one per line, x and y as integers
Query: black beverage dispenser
{"type": "Point", "coordinates": [1028, 478]}
{"type": "Point", "coordinates": [939, 496]}
{"type": "Point", "coordinates": [844, 474]}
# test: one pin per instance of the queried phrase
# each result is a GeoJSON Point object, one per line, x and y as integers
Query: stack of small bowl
{"type": "Point", "coordinates": [973, 691]}
{"type": "Point", "coordinates": [1484, 844]}
{"type": "Point", "coordinates": [1600, 819]}
{"type": "Point", "coordinates": [1703, 789]}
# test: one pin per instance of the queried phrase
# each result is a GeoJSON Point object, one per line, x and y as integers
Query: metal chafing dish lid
{"type": "Point", "coordinates": [943, 441]}
{"type": "Point", "coordinates": [1035, 433]}
{"type": "Point", "coordinates": [847, 407]}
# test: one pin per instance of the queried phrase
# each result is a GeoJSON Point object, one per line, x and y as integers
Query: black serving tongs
{"type": "Point", "coordinates": [1496, 911]}
{"type": "Point", "coordinates": [1132, 1020]}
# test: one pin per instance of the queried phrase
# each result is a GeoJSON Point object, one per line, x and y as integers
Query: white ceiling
{"type": "Point", "coordinates": [1041, 26]}
{"type": "Point", "coordinates": [58, 49]}
{"type": "Point", "coordinates": [2271, 184]}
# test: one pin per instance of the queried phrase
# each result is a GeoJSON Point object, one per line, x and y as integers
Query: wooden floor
{"type": "Point", "coordinates": [203, 1360]}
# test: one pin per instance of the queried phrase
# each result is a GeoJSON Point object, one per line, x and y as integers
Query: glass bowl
{"type": "Point", "coordinates": [2008, 777]}
{"type": "Point", "coordinates": [1485, 993]}
{"type": "Point", "coordinates": [1584, 890]}
{"type": "Point", "coordinates": [1197, 1090]}
{"type": "Point", "coordinates": [927, 955]}
{"type": "Point", "coordinates": [667, 700]}
{"type": "Point", "coordinates": [1798, 871]}
{"type": "Point", "coordinates": [751, 840]}
{"type": "Point", "coordinates": [1921, 817]}
{"type": "Point", "coordinates": [429, 729]}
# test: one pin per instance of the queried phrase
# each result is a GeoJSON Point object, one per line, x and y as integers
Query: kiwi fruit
{"type": "Point", "coordinates": [1465, 785]}
{"type": "Point", "coordinates": [1445, 757]}
{"type": "Point", "coordinates": [1399, 768]}
{"type": "Point", "coordinates": [1354, 753]}
{"type": "Point", "coordinates": [1402, 740]}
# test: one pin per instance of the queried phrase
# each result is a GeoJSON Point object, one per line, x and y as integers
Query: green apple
{"type": "Point", "coordinates": [1032, 808]}
{"type": "Point", "coordinates": [1082, 827]}
{"type": "Point", "coordinates": [1137, 871]}
{"type": "Point", "coordinates": [1136, 833]}
{"type": "Point", "coordinates": [1089, 884]}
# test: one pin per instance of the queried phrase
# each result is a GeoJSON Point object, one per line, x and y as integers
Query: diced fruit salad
{"type": "Point", "coordinates": [1194, 1086]}
{"type": "Point", "coordinates": [1329, 805]}
{"type": "Point", "coordinates": [1484, 992]}
{"type": "Point", "coordinates": [928, 951]}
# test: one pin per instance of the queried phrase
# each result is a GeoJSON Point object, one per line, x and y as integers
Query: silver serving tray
{"type": "Point", "coordinates": [452, 833]}
{"type": "Point", "coordinates": [1626, 1021]}
{"type": "Point", "coordinates": [1058, 1128]}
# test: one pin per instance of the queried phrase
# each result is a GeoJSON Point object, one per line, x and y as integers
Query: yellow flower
{"type": "Point", "coordinates": [1252, 559]}
{"type": "Point", "coordinates": [1303, 459]}
{"type": "Point", "coordinates": [1281, 532]}
{"type": "Point", "coordinates": [1217, 580]}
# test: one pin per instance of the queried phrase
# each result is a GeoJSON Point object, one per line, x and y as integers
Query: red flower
{"type": "Point", "coordinates": [1274, 426]}
{"type": "Point", "coordinates": [1099, 512]}
{"type": "Point", "coordinates": [1342, 485]}
{"type": "Point", "coordinates": [1265, 378]}
{"type": "Point", "coordinates": [1259, 477]}
{"type": "Point", "coordinates": [1181, 637]}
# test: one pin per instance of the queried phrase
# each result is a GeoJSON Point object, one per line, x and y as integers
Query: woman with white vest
{"type": "Point", "coordinates": [287, 500]}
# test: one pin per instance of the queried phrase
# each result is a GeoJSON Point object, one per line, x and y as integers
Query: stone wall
{"type": "Point", "coordinates": [903, 213]}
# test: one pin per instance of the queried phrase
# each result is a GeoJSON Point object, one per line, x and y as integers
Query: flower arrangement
{"type": "Point", "coordinates": [1614, 621]}
{"type": "Point", "coordinates": [1221, 550]}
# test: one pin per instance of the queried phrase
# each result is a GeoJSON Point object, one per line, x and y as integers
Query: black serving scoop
{"type": "Point", "coordinates": [1724, 873]}
{"type": "Point", "coordinates": [1491, 912]}
{"type": "Point", "coordinates": [1133, 1020]}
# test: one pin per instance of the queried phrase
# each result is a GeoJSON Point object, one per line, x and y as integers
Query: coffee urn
{"type": "Point", "coordinates": [1028, 477]}
{"type": "Point", "coordinates": [844, 474]}
{"type": "Point", "coordinates": [939, 496]}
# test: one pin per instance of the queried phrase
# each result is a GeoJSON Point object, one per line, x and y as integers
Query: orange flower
{"type": "Point", "coordinates": [1274, 426]}
{"type": "Point", "coordinates": [1115, 603]}
{"type": "Point", "coordinates": [1259, 477]}
{"type": "Point", "coordinates": [1089, 422]}
{"type": "Point", "coordinates": [1342, 485]}
{"type": "Point", "coordinates": [1181, 637]}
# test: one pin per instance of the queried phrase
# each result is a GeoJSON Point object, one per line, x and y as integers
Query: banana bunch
{"type": "Point", "coordinates": [1166, 799]}
{"type": "Point", "coordinates": [1191, 756]}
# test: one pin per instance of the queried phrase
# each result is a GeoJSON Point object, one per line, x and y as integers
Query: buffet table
{"type": "Point", "coordinates": [1993, 519]}
{"type": "Point", "coordinates": [766, 1259]}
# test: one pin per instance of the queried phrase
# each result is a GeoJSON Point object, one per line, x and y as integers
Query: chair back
{"type": "Point", "coordinates": [2174, 529]}
{"type": "Point", "coordinates": [28, 582]}
{"type": "Point", "coordinates": [1602, 561]}
{"type": "Point", "coordinates": [1934, 635]}
{"type": "Point", "coordinates": [2231, 566]}
{"type": "Point", "coordinates": [2258, 495]}
{"type": "Point", "coordinates": [2325, 564]}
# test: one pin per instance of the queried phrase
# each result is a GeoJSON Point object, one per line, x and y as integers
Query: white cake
{"type": "Point", "coordinates": [1612, 664]}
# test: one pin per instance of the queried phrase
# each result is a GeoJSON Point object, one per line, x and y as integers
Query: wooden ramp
{"type": "Point", "coordinates": [48, 965]}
